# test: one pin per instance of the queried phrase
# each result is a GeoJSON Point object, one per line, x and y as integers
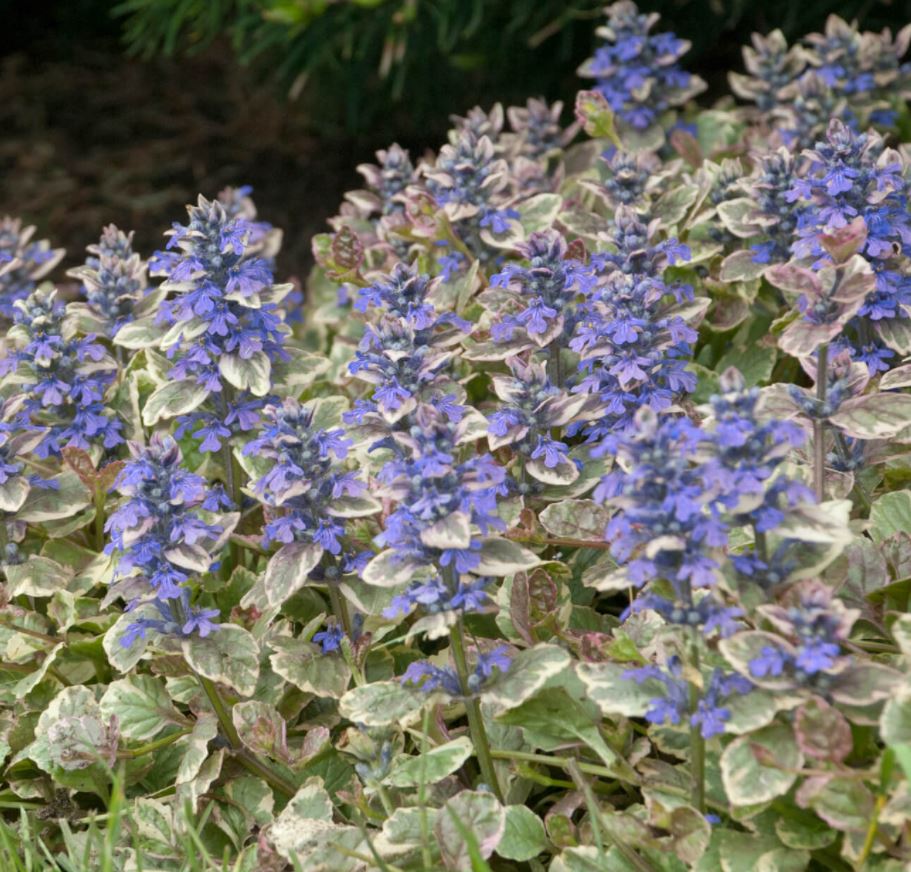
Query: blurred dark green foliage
{"type": "Point", "coordinates": [368, 60]}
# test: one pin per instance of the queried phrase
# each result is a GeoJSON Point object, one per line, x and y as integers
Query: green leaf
{"type": "Point", "coordinates": [529, 671]}
{"type": "Point", "coordinates": [575, 519]}
{"type": "Point", "coordinates": [386, 570]}
{"type": "Point", "coordinates": [539, 212]}
{"type": "Point", "coordinates": [844, 803]}
{"type": "Point", "coordinates": [287, 572]}
{"type": "Point", "coordinates": [305, 825]}
{"type": "Point", "coordinates": [760, 766]}
{"type": "Point", "coordinates": [453, 531]}
{"type": "Point", "coordinates": [822, 731]}
{"type": "Point", "coordinates": [433, 766]}
{"type": "Point", "coordinates": [584, 859]}
{"type": "Point", "coordinates": [501, 557]}
{"type": "Point", "coordinates": [173, 399]}
{"type": "Point", "coordinates": [141, 705]}
{"type": "Point", "coordinates": [553, 718]}
{"type": "Point", "coordinates": [890, 514]}
{"type": "Point", "coordinates": [740, 267]}
{"type": "Point", "coordinates": [229, 655]}
{"type": "Point", "coordinates": [141, 333]}
{"type": "Point", "coordinates": [38, 577]}
{"type": "Point", "coordinates": [261, 728]}
{"type": "Point", "coordinates": [65, 499]}
{"type": "Point", "coordinates": [196, 748]}
{"type": "Point", "coordinates": [380, 704]}
{"type": "Point", "coordinates": [895, 721]}
{"type": "Point", "coordinates": [473, 812]}
{"type": "Point", "coordinates": [615, 695]}
{"type": "Point", "coordinates": [523, 836]}
{"type": "Point", "coordinates": [874, 416]}
{"type": "Point", "coordinates": [251, 374]}
{"type": "Point", "coordinates": [597, 118]}
{"type": "Point", "coordinates": [307, 668]}
{"type": "Point", "coordinates": [123, 658]}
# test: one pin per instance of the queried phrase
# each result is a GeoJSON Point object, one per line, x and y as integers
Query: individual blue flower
{"type": "Point", "coordinates": [177, 617]}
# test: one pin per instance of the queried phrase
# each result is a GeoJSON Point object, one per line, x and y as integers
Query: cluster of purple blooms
{"type": "Point", "coordinates": [542, 293]}
{"type": "Point", "coordinates": [442, 500]}
{"type": "Point", "coordinates": [161, 539]}
{"type": "Point", "coordinates": [679, 489]}
{"type": "Point", "coordinates": [814, 631]}
{"type": "Point", "coordinates": [63, 379]}
{"type": "Point", "coordinates": [471, 184]}
{"type": "Point", "coordinates": [223, 316]}
{"type": "Point", "coordinates": [430, 677]}
{"type": "Point", "coordinates": [405, 351]}
{"type": "Point", "coordinates": [305, 479]}
{"type": "Point", "coordinates": [856, 77]}
{"type": "Point", "coordinates": [637, 71]}
{"type": "Point", "coordinates": [633, 347]}
{"type": "Point", "coordinates": [853, 175]}
{"type": "Point", "coordinates": [673, 705]}
{"type": "Point", "coordinates": [744, 472]}
{"type": "Point", "coordinates": [114, 279]}
{"type": "Point", "coordinates": [24, 261]}
{"type": "Point", "coordinates": [775, 212]}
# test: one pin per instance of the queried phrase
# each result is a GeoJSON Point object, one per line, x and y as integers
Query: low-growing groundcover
{"type": "Point", "coordinates": [559, 523]}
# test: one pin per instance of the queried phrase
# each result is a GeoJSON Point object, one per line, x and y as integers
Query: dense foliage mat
{"type": "Point", "coordinates": [559, 523]}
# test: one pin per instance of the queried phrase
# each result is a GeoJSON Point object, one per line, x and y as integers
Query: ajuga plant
{"type": "Point", "coordinates": [563, 526]}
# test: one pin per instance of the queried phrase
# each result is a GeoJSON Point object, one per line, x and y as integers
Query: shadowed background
{"type": "Point", "coordinates": [124, 112]}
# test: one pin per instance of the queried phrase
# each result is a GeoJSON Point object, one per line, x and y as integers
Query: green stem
{"type": "Point", "coordinates": [99, 519]}
{"type": "Point", "coordinates": [557, 540]}
{"type": "Point", "coordinates": [473, 710]}
{"type": "Point", "coordinates": [340, 608]}
{"type": "Point", "coordinates": [819, 424]}
{"type": "Point", "coordinates": [247, 760]}
{"type": "Point", "coordinates": [221, 710]}
{"type": "Point", "coordinates": [697, 742]}
{"type": "Point", "coordinates": [555, 365]}
{"type": "Point", "coordinates": [549, 760]}
{"type": "Point", "coordinates": [149, 747]}
{"type": "Point", "coordinates": [762, 545]}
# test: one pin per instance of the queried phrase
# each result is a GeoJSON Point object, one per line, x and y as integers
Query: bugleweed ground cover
{"type": "Point", "coordinates": [560, 523]}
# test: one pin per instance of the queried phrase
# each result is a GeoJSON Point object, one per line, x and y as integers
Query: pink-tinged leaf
{"type": "Point", "coordinates": [741, 267]}
{"type": "Point", "coordinates": [801, 338]}
{"type": "Point", "coordinates": [843, 803]}
{"type": "Point", "coordinates": [471, 814]}
{"type": "Point", "coordinates": [822, 731]}
{"type": "Point", "coordinates": [596, 116]}
{"type": "Point", "coordinates": [863, 684]}
{"type": "Point", "coordinates": [80, 462]}
{"type": "Point", "coordinates": [794, 279]}
{"type": "Point", "coordinates": [845, 242]}
{"type": "Point", "coordinates": [874, 416]}
{"type": "Point", "coordinates": [687, 146]}
{"type": "Point", "coordinates": [520, 607]}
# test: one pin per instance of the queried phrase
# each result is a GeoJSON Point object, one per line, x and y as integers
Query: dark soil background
{"type": "Point", "coordinates": [90, 136]}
